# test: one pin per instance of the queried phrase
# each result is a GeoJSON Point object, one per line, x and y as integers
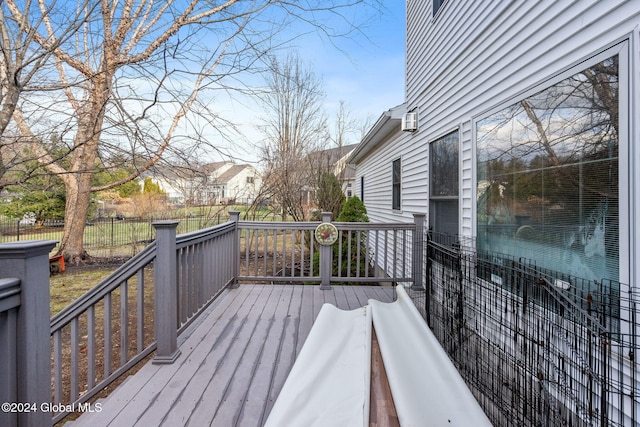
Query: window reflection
{"type": "Point", "coordinates": [547, 184]}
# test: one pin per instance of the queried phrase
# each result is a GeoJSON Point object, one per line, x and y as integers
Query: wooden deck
{"type": "Point", "coordinates": [234, 360]}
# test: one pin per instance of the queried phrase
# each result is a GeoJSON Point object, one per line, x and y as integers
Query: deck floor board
{"type": "Point", "coordinates": [233, 361]}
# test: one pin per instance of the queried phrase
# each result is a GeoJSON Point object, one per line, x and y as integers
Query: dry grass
{"type": "Point", "coordinates": [67, 287]}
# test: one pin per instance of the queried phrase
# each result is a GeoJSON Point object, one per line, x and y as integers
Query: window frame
{"type": "Point", "coordinates": [396, 187]}
{"type": "Point", "coordinates": [622, 48]}
{"type": "Point", "coordinates": [449, 198]}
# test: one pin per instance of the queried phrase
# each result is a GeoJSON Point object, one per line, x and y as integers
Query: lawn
{"type": "Point", "coordinates": [73, 283]}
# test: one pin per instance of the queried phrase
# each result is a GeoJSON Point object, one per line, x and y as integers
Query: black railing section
{"type": "Point", "coordinates": [537, 348]}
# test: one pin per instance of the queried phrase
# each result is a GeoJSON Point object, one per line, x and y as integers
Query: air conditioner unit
{"type": "Point", "coordinates": [410, 122]}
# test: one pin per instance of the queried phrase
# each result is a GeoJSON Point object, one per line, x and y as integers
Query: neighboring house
{"type": "Point", "coordinates": [519, 132]}
{"type": "Point", "coordinates": [237, 184]}
{"type": "Point", "coordinates": [335, 161]}
{"type": "Point", "coordinates": [212, 183]}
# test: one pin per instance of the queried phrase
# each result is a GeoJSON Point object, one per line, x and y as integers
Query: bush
{"type": "Point", "coordinates": [352, 211]}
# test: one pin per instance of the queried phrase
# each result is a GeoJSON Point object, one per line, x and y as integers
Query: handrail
{"type": "Point", "coordinates": [204, 234]}
{"type": "Point", "coordinates": [107, 317]}
{"type": "Point", "coordinates": [103, 287]}
{"type": "Point", "coordinates": [9, 294]}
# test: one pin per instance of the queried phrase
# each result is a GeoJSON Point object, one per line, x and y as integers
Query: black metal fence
{"type": "Point", "coordinates": [105, 236]}
{"type": "Point", "coordinates": [536, 348]}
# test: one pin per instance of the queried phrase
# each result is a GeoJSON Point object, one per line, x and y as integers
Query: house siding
{"type": "Point", "coordinates": [475, 57]}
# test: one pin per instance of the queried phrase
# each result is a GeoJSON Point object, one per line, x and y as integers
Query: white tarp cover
{"type": "Point", "coordinates": [427, 389]}
{"type": "Point", "coordinates": [329, 383]}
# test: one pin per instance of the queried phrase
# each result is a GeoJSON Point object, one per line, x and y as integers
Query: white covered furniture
{"type": "Point", "coordinates": [329, 384]}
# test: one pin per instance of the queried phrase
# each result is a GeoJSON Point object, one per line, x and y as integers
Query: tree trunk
{"type": "Point", "coordinates": [78, 181]}
{"type": "Point", "coordinates": [75, 215]}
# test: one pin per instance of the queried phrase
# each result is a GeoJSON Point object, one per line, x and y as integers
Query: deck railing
{"type": "Point", "coordinates": [362, 253]}
{"type": "Point", "coordinates": [139, 308]}
{"type": "Point", "coordinates": [144, 305]}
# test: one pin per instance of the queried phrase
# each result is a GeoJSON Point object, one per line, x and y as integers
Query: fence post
{"type": "Point", "coordinates": [418, 252]}
{"type": "Point", "coordinates": [326, 258]}
{"type": "Point", "coordinates": [29, 262]}
{"type": "Point", "coordinates": [165, 277]}
{"type": "Point", "coordinates": [234, 216]}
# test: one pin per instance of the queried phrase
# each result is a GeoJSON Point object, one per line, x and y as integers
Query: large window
{"type": "Point", "coordinates": [443, 188]}
{"type": "Point", "coordinates": [547, 183]}
{"type": "Point", "coordinates": [396, 184]}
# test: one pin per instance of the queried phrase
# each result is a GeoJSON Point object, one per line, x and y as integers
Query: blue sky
{"type": "Point", "coordinates": [366, 71]}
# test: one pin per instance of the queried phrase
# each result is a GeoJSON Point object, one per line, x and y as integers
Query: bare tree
{"type": "Point", "coordinates": [22, 59]}
{"type": "Point", "coordinates": [294, 127]}
{"type": "Point", "coordinates": [137, 82]}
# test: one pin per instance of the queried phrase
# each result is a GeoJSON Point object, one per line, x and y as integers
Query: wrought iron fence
{"type": "Point", "coordinates": [129, 234]}
{"type": "Point", "coordinates": [535, 352]}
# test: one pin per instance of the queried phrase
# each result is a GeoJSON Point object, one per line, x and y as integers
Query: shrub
{"type": "Point", "coordinates": [352, 211]}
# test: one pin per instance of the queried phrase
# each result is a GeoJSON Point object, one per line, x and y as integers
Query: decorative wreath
{"type": "Point", "coordinates": [326, 233]}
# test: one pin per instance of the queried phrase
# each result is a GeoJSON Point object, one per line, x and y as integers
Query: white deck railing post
{"type": "Point", "coordinates": [418, 252]}
{"type": "Point", "coordinates": [234, 216]}
{"type": "Point", "coordinates": [29, 262]}
{"type": "Point", "coordinates": [165, 278]}
{"type": "Point", "coordinates": [326, 258]}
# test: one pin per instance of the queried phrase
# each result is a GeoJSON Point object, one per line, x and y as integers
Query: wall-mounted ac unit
{"type": "Point", "coordinates": [410, 122]}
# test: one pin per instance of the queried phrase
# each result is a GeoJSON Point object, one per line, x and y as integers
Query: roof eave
{"type": "Point", "coordinates": [387, 123]}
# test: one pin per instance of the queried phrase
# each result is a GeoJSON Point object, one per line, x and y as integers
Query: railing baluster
{"type": "Point", "coordinates": [394, 233]}
{"type": "Point", "coordinates": [188, 288]}
{"type": "Point", "coordinates": [140, 310]}
{"type": "Point", "coordinates": [107, 335]}
{"type": "Point", "coordinates": [275, 252]}
{"type": "Point", "coordinates": [91, 346]}
{"type": "Point", "coordinates": [181, 265]}
{"type": "Point", "coordinates": [73, 374]}
{"type": "Point", "coordinates": [200, 293]}
{"type": "Point", "coordinates": [124, 324]}
{"type": "Point", "coordinates": [348, 260]}
{"type": "Point", "coordinates": [340, 238]}
{"type": "Point", "coordinates": [386, 250]}
{"type": "Point", "coordinates": [302, 259]}
{"type": "Point", "coordinates": [256, 238]}
{"type": "Point", "coordinates": [284, 252]}
{"type": "Point", "coordinates": [403, 250]}
{"type": "Point", "coordinates": [293, 252]}
{"type": "Point", "coordinates": [358, 240]}
{"type": "Point", "coordinates": [57, 365]}
{"type": "Point", "coordinates": [265, 237]}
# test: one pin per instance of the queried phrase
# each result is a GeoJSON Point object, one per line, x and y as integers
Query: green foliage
{"type": "Point", "coordinates": [125, 190]}
{"type": "Point", "coordinates": [151, 187]}
{"type": "Point", "coordinates": [330, 195]}
{"type": "Point", "coordinates": [41, 195]}
{"type": "Point", "coordinates": [43, 204]}
{"type": "Point", "coordinates": [353, 211]}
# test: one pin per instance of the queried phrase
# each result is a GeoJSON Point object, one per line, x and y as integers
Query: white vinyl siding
{"type": "Point", "coordinates": [477, 57]}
